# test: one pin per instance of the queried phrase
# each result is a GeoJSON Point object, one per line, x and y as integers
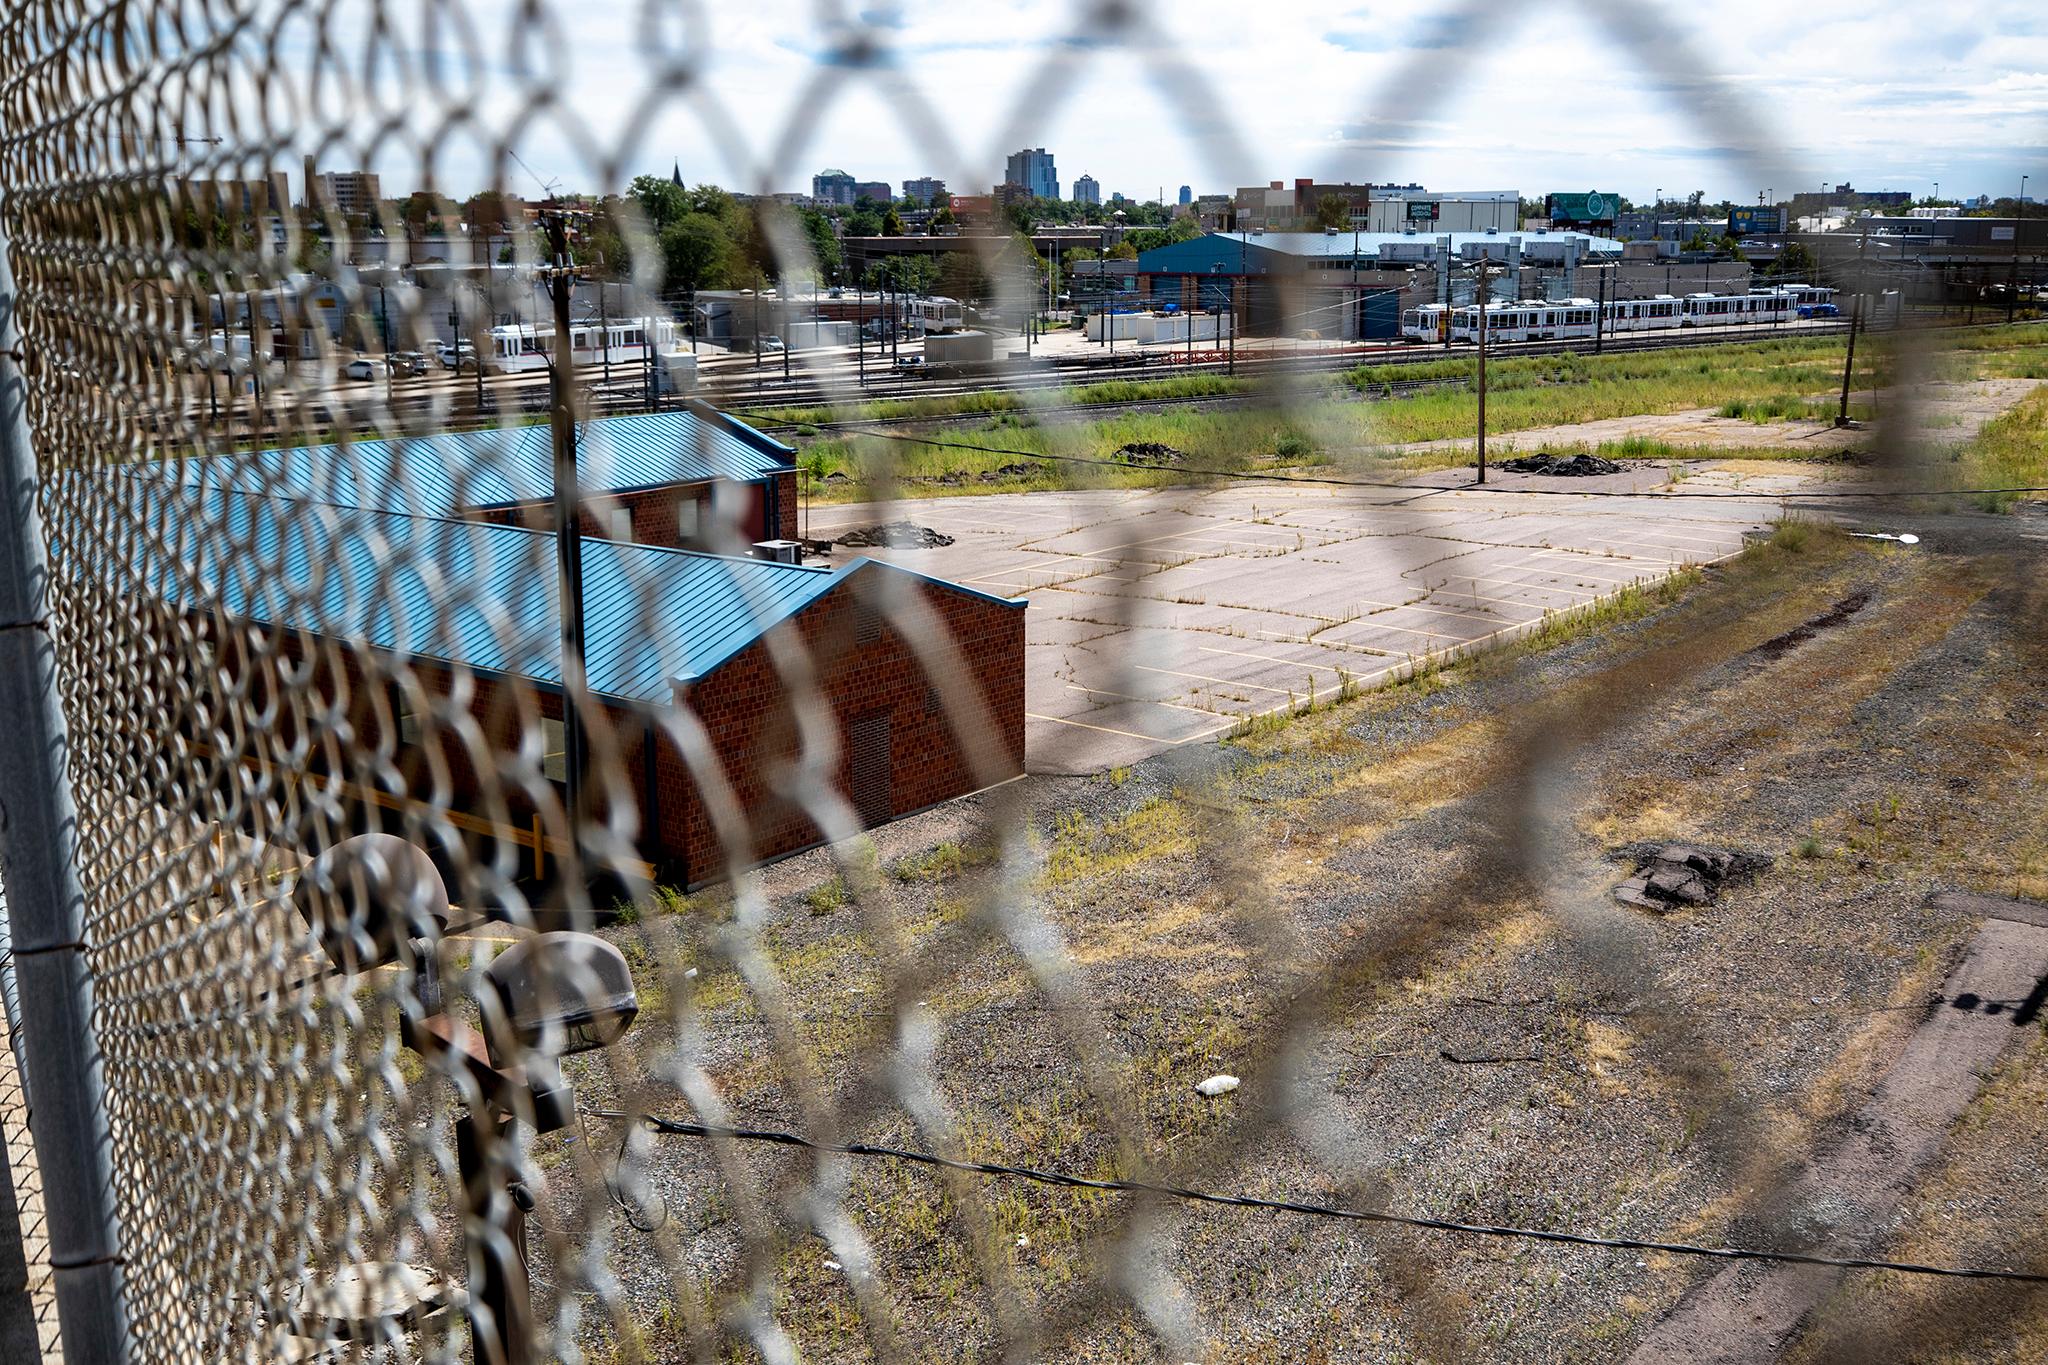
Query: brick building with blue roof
{"type": "Point", "coordinates": [430, 638]}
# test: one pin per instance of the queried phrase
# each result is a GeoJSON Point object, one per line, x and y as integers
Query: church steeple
{"type": "Point", "coordinates": [677, 174]}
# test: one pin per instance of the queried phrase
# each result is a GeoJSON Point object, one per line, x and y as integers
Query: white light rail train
{"type": "Point", "coordinates": [1539, 320]}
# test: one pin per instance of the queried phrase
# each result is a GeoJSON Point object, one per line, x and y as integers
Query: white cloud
{"type": "Point", "coordinates": [1508, 97]}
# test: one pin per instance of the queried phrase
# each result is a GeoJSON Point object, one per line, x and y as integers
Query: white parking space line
{"type": "Point", "coordinates": [1221, 682]}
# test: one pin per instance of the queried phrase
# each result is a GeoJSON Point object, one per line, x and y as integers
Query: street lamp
{"type": "Point", "coordinates": [376, 900]}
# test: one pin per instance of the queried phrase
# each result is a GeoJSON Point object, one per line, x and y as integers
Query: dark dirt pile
{"type": "Point", "coordinates": [1574, 466]}
{"type": "Point", "coordinates": [1150, 452]}
{"type": "Point", "coordinates": [895, 534]}
{"type": "Point", "coordinates": [1674, 876]}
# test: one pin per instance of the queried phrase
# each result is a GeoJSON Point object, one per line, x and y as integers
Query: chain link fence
{"type": "Point", "coordinates": [427, 984]}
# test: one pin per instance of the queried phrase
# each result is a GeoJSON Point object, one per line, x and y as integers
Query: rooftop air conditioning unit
{"type": "Point", "coordinates": [780, 551]}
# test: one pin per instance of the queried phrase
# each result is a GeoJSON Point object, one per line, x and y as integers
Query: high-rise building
{"type": "Point", "coordinates": [833, 187]}
{"type": "Point", "coordinates": [924, 189]}
{"type": "Point", "coordinates": [1033, 169]}
{"type": "Point", "coordinates": [1187, 194]}
{"type": "Point", "coordinates": [1087, 190]}
{"type": "Point", "coordinates": [877, 190]}
{"type": "Point", "coordinates": [348, 193]}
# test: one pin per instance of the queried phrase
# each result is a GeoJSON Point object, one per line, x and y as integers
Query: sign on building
{"type": "Point", "coordinates": [1423, 210]}
{"type": "Point", "coordinates": [1742, 222]}
{"type": "Point", "coordinates": [1593, 207]}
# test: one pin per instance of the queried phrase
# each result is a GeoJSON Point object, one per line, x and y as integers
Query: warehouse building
{"type": "Point", "coordinates": [1337, 285]}
{"type": "Point", "coordinates": [688, 478]}
{"type": "Point", "coordinates": [375, 621]}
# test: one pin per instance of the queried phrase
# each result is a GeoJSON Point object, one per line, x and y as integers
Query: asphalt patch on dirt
{"type": "Point", "coordinates": [902, 535]}
{"type": "Point", "coordinates": [1672, 877]}
{"type": "Point", "coordinates": [1778, 646]}
{"type": "Point", "coordinates": [1561, 466]}
{"type": "Point", "coordinates": [1150, 452]}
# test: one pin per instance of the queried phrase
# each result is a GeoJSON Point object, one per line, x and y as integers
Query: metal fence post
{"type": "Point", "coordinates": [46, 904]}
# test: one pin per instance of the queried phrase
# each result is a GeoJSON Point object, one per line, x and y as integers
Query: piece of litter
{"type": "Point", "coordinates": [834, 1265]}
{"type": "Point", "coordinates": [1023, 1240]}
{"type": "Point", "coordinates": [690, 974]}
{"type": "Point", "coordinates": [1216, 1085]}
{"type": "Point", "coordinates": [1904, 537]}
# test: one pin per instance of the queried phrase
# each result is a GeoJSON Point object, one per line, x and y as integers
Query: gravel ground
{"type": "Point", "coordinates": [1392, 920]}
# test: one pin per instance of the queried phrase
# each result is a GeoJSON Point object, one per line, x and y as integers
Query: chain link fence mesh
{"type": "Point", "coordinates": [261, 662]}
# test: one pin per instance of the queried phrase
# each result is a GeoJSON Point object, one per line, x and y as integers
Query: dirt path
{"type": "Point", "coordinates": [1952, 414]}
{"type": "Point", "coordinates": [1845, 1200]}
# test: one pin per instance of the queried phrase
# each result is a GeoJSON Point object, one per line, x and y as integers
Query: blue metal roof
{"type": "Point", "coordinates": [439, 474]}
{"type": "Point", "coordinates": [464, 592]}
{"type": "Point", "coordinates": [1225, 249]}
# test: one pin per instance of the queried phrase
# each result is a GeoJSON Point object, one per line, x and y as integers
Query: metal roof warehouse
{"type": "Point", "coordinates": [442, 473]}
{"type": "Point", "coordinates": [475, 594]}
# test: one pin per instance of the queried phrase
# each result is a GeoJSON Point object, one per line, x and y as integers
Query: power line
{"type": "Point", "coordinates": [677, 1128]}
{"type": "Point", "coordinates": [1272, 476]}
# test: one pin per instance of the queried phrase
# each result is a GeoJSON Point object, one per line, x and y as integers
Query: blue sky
{"type": "Point", "coordinates": [1602, 94]}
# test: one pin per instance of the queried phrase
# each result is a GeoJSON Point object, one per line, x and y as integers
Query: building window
{"type": "Point", "coordinates": [554, 750]}
{"type": "Point", "coordinates": [687, 513]}
{"type": "Point", "coordinates": [619, 523]}
{"type": "Point", "coordinates": [408, 719]}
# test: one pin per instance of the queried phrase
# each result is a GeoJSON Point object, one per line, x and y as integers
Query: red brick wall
{"type": "Point", "coordinates": [336, 709]}
{"type": "Point", "coordinates": [743, 707]}
{"type": "Point", "coordinates": [785, 505]}
{"type": "Point", "coordinates": [656, 512]}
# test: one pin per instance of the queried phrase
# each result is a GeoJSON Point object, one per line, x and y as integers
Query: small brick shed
{"type": "Point", "coordinates": [338, 607]}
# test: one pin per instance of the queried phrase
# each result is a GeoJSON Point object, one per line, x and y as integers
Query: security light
{"type": "Point", "coordinates": [368, 899]}
{"type": "Point", "coordinates": [561, 993]}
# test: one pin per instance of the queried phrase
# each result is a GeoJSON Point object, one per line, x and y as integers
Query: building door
{"type": "Point", "coordinates": [868, 742]}
{"type": "Point", "coordinates": [1379, 314]}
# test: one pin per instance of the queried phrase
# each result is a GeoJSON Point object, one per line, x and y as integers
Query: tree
{"type": "Point", "coordinates": [696, 253]}
{"type": "Point", "coordinates": [491, 211]}
{"type": "Point", "coordinates": [660, 200]}
{"type": "Point", "coordinates": [419, 211]}
{"type": "Point", "coordinates": [1122, 251]}
{"type": "Point", "coordinates": [1795, 258]}
{"type": "Point", "coordinates": [962, 276]}
{"type": "Point", "coordinates": [1332, 211]}
{"type": "Point", "coordinates": [862, 223]}
{"type": "Point", "coordinates": [892, 222]}
{"type": "Point", "coordinates": [824, 242]}
{"type": "Point", "coordinates": [942, 216]}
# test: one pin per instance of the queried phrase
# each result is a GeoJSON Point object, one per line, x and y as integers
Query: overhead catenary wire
{"type": "Point", "coordinates": [777, 1137]}
{"type": "Point", "coordinates": [1328, 480]}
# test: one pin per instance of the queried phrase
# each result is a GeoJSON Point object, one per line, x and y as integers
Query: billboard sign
{"type": "Point", "coordinates": [1593, 207]}
{"type": "Point", "coordinates": [1741, 222]}
{"type": "Point", "coordinates": [1423, 210]}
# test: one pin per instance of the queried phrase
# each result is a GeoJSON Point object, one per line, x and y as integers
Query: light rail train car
{"type": "Point", "coordinates": [622, 341]}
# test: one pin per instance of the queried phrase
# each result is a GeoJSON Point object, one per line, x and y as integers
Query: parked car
{"type": "Point", "coordinates": [458, 356]}
{"type": "Point", "coordinates": [362, 367]}
{"type": "Point", "coordinates": [408, 363]}
{"type": "Point", "coordinates": [769, 345]}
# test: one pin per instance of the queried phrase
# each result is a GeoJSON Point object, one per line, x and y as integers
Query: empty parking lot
{"type": "Point", "coordinates": [1161, 618]}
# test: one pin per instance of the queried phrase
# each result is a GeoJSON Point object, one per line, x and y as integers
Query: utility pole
{"type": "Point", "coordinates": [604, 327]}
{"type": "Point", "coordinates": [568, 524]}
{"type": "Point", "coordinates": [1483, 281]}
{"type": "Point", "coordinates": [2012, 286]}
{"type": "Point", "coordinates": [1600, 315]}
{"type": "Point", "coordinates": [1849, 364]}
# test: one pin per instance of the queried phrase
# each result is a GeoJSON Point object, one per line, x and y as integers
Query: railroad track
{"type": "Point", "coordinates": [451, 404]}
